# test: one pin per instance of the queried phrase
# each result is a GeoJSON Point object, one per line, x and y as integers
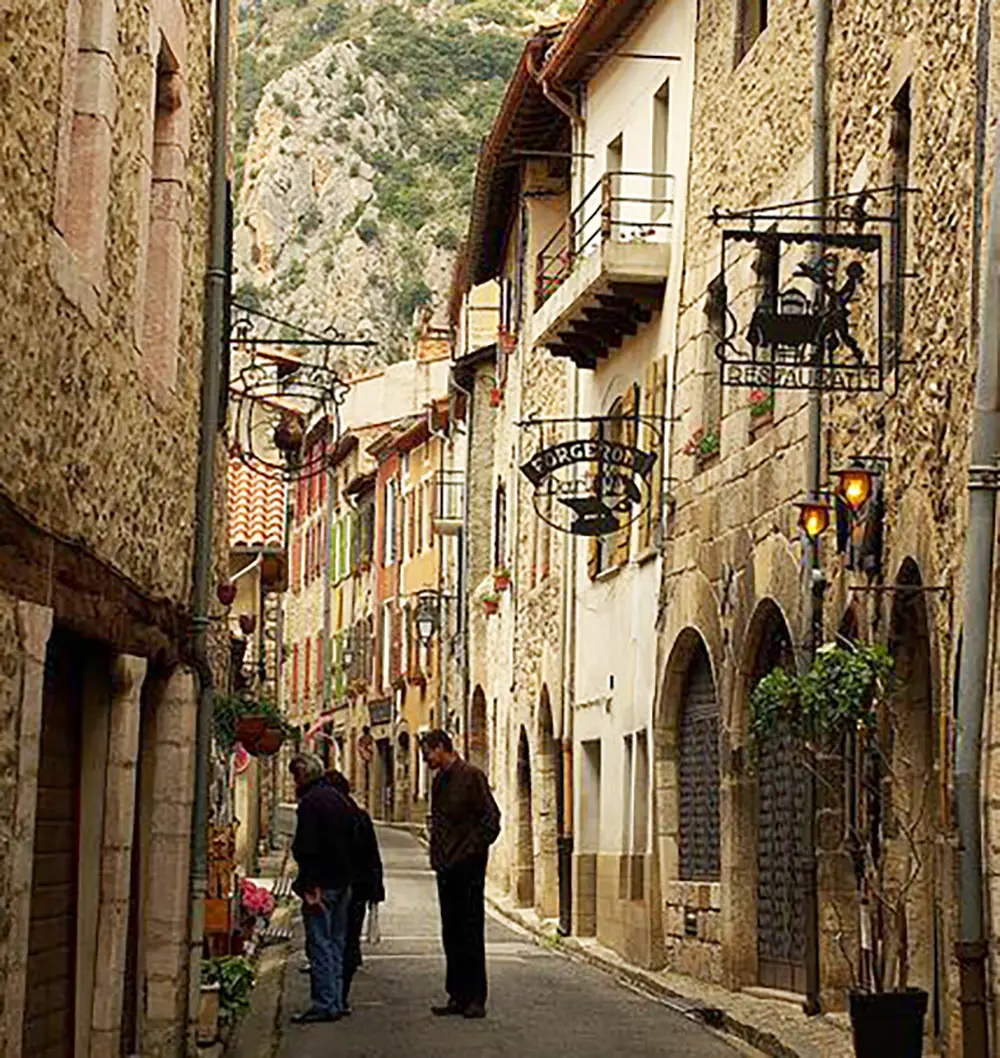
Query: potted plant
{"type": "Point", "coordinates": [843, 702]}
{"type": "Point", "coordinates": [256, 723]}
{"type": "Point", "coordinates": [233, 977]}
{"type": "Point", "coordinates": [702, 444]}
{"type": "Point", "coordinates": [501, 578]}
{"type": "Point", "coordinates": [496, 393]}
{"type": "Point", "coordinates": [491, 604]}
{"type": "Point", "coordinates": [508, 341]}
{"type": "Point", "coordinates": [761, 406]}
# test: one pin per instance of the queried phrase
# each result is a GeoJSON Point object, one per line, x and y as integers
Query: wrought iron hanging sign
{"type": "Point", "coordinates": [799, 308]}
{"type": "Point", "coordinates": [280, 388]}
{"type": "Point", "coordinates": [592, 476]}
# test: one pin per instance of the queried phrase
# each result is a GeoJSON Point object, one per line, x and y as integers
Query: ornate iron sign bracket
{"type": "Point", "coordinates": [811, 300]}
{"type": "Point", "coordinates": [594, 475]}
{"type": "Point", "coordinates": [280, 387]}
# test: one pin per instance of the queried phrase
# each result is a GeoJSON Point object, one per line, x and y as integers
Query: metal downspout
{"type": "Point", "coordinates": [215, 303]}
{"type": "Point", "coordinates": [977, 588]}
{"type": "Point", "coordinates": [814, 585]}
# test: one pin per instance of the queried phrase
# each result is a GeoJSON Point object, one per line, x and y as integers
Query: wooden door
{"type": "Point", "coordinates": [49, 1016]}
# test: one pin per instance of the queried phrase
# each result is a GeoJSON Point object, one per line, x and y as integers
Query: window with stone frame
{"type": "Point", "coordinates": [87, 113]}
{"type": "Point", "coordinates": [751, 22]}
{"type": "Point", "coordinates": [163, 267]}
{"type": "Point", "coordinates": [500, 527]}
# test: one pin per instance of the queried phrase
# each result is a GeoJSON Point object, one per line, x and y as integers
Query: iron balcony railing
{"type": "Point", "coordinates": [626, 207]}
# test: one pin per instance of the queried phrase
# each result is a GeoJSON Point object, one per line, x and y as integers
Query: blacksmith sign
{"type": "Point", "coordinates": [599, 478]}
{"type": "Point", "coordinates": [798, 308]}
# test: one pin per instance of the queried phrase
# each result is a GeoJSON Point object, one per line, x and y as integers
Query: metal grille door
{"type": "Point", "coordinates": [781, 940]}
{"type": "Point", "coordinates": [698, 768]}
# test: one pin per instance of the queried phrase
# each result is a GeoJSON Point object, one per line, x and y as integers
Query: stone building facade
{"type": "Point", "coordinates": [106, 129]}
{"type": "Point", "coordinates": [718, 891]}
{"type": "Point", "coordinates": [901, 109]}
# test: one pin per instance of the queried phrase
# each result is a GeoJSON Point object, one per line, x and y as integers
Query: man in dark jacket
{"type": "Point", "coordinates": [324, 849]}
{"type": "Point", "coordinates": [465, 821]}
{"type": "Point", "coordinates": [367, 886]}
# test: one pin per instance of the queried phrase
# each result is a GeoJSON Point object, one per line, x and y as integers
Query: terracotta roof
{"type": "Point", "coordinates": [559, 57]}
{"type": "Point", "coordinates": [597, 29]}
{"type": "Point", "coordinates": [526, 121]}
{"type": "Point", "coordinates": [256, 509]}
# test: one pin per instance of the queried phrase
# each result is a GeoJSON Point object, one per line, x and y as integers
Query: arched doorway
{"type": "Point", "coordinates": [781, 827]}
{"type": "Point", "coordinates": [698, 771]}
{"type": "Point", "coordinates": [915, 815]}
{"type": "Point", "coordinates": [524, 870]}
{"type": "Point", "coordinates": [478, 750]}
{"type": "Point", "coordinates": [549, 812]}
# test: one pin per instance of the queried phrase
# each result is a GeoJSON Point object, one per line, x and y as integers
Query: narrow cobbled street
{"type": "Point", "coordinates": [541, 1004]}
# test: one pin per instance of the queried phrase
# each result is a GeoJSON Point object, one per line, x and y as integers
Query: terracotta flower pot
{"type": "Point", "coordinates": [501, 581]}
{"type": "Point", "coordinates": [496, 397]}
{"type": "Point", "coordinates": [270, 741]}
{"type": "Point", "coordinates": [249, 729]}
{"type": "Point", "coordinates": [491, 606]}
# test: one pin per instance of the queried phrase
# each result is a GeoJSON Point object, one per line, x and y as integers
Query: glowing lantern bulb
{"type": "Point", "coordinates": [855, 487]}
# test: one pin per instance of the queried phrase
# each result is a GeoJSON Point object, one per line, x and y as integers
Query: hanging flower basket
{"type": "Point", "coordinates": [271, 740]}
{"type": "Point", "coordinates": [496, 397]}
{"type": "Point", "coordinates": [249, 729]}
{"type": "Point", "coordinates": [501, 579]}
{"type": "Point", "coordinates": [491, 605]}
{"type": "Point", "coordinates": [508, 342]}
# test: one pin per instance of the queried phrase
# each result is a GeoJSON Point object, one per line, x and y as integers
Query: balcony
{"type": "Point", "coordinates": [603, 273]}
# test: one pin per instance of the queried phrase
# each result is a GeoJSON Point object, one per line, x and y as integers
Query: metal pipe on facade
{"type": "Point", "coordinates": [977, 584]}
{"type": "Point", "coordinates": [814, 585]}
{"type": "Point", "coordinates": [215, 303]}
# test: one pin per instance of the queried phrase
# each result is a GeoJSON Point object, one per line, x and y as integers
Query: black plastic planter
{"type": "Point", "coordinates": [890, 1023]}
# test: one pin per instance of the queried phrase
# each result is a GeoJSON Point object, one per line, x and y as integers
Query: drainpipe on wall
{"type": "Point", "coordinates": [977, 614]}
{"type": "Point", "coordinates": [815, 585]}
{"type": "Point", "coordinates": [465, 594]}
{"type": "Point", "coordinates": [215, 303]}
{"type": "Point", "coordinates": [327, 567]}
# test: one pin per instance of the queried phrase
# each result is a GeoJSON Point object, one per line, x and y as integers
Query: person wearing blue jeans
{"type": "Point", "coordinates": [324, 849]}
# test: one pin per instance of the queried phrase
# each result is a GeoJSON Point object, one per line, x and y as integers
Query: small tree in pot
{"type": "Point", "coordinates": [843, 706]}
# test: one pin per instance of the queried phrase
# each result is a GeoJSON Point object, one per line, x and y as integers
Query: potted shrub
{"type": "Point", "coordinates": [491, 604]}
{"type": "Point", "coordinates": [761, 406]}
{"type": "Point", "coordinates": [252, 722]}
{"type": "Point", "coordinates": [843, 702]}
{"type": "Point", "coordinates": [501, 579]}
{"type": "Point", "coordinates": [233, 977]}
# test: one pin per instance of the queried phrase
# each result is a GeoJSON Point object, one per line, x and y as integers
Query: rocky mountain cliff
{"type": "Point", "coordinates": [358, 123]}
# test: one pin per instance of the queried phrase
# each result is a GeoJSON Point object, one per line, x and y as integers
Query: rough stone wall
{"type": "Point", "coordinates": [96, 450]}
{"type": "Point", "coordinates": [732, 538]}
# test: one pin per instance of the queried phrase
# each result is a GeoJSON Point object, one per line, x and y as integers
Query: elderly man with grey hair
{"type": "Point", "coordinates": [324, 849]}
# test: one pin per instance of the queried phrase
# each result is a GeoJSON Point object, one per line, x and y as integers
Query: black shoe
{"type": "Point", "coordinates": [450, 1010]}
{"type": "Point", "coordinates": [474, 1010]}
{"type": "Point", "coordinates": [312, 1016]}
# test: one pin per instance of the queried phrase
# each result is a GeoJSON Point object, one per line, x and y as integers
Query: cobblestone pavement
{"type": "Point", "coordinates": [540, 1003]}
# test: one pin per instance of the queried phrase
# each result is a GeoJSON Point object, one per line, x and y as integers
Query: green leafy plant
{"type": "Point", "coordinates": [235, 977]}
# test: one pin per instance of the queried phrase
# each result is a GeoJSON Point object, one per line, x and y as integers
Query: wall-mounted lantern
{"type": "Point", "coordinates": [814, 517]}
{"type": "Point", "coordinates": [428, 616]}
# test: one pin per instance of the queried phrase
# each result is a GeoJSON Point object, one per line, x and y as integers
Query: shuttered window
{"type": "Point", "coordinates": [698, 767]}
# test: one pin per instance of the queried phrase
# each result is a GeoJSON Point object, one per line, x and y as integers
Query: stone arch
{"type": "Point", "coordinates": [915, 771]}
{"type": "Point", "coordinates": [688, 653]}
{"type": "Point", "coordinates": [549, 807]}
{"type": "Point", "coordinates": [767, 813]}
{"type": "Point", "coordinates": [524, 856]}
{"type": "Point", "coordinates": [478, 737]}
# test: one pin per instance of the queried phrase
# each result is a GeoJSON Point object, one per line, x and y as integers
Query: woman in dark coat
{"type": "Point", "coordinates": [367, 886]}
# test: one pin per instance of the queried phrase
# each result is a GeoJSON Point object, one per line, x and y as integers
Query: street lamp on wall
{"type": "Point", "coordinates": [855, 484]}
{"type": "Point", "coordinates": [428, 616]}
{"type": "Point", "coordinates": [814, 517]}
